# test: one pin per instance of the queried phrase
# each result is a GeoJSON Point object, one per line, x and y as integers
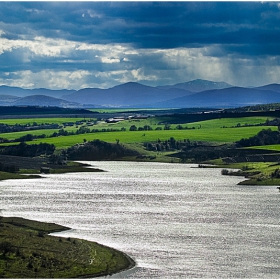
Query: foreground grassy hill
{"type": "Point", "coordinates": [27, 251]}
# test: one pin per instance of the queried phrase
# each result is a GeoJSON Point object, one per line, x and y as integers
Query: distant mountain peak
{"type": "Point", "coordinates": [131, 85]}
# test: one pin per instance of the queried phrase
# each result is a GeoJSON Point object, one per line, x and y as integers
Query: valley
{"type": "Point", "coordinates": [165, 135]}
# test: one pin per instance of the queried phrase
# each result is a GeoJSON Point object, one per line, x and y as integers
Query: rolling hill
{"type": "Point", "coordinates": [198, 85]}
{"type": "Point", "coordinates": [44, 101]}
{"type": "Point", "coordinates": [6, 100]}
{"type": "Point", "coordinates": [20, 92]}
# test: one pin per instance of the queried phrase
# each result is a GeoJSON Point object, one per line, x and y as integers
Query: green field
{"type": "Point", "coordinates": [224, 130]}
{"type": "Point", "coordinates": [230, 122]}
{"type": "Point", "coordinates": [223, 135]}
{"type": "Point", "coordinates": [155, 122]}
{"type": "Point", "coordinates": [47, 132]}
{"type": "Point", "coordinates": [275, 147]}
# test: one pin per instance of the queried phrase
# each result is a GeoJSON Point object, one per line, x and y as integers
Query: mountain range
{"type": "Point", "coordinates": [196, 93]}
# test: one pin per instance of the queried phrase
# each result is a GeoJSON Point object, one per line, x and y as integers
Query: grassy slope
{"type": "Point", "coordinates": [6, 176]}
{"type": "Point", "coordinates": [213, 135]}
{"type": "Point", "coordinates": [275, 147]}
{"type": "Point", "coordinates": [256, 173]}
{"type": "Point", "coordinates": [218, 130]}
{"type": "Point", "coordinates": [34, 254]}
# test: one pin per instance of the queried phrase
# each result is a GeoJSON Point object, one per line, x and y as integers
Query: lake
{"type": "Point", "coordinates": [174, 220]}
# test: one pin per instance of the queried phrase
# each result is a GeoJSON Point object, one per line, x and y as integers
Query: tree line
{"type": "Point", "coordinates": [264, 137]}
{"type": "Point", "coordinates": [25, 150]}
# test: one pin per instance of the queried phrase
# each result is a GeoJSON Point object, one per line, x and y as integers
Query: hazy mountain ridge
{"type": "Point", "coordinates": [198, 85]}
{"type": "Point", "coordinates": [217, 94]}
{"type": "Point", "coordinates": [124, 95]}
{"type": "Point", "coordinates": [37, 100]}
{"type": "Point", "coordinates": [225, 98]}
{"type": "Point", "coordinates": [21, 92]}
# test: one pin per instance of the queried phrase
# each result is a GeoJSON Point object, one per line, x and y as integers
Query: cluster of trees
{"type": "Point", "coordinates": [5, 128]}
{"type": "Point", "coordinates": [29, 137]}
{"type": "Point", "coordinates": [98, 150]}
{"type": "Point", "coordinates": [256, 108]}
{"type": "Point", "coordinates": [170, 145]}
{"type": "Point", "coordinates": [264, 137]}
{"type": "Point", "coordinates": [83, 130]}
{"type": "Point", "coordinates": [166, 127]}
{"type": "Point", "coordinates": [25, 150]}
{"type": "Point", "coordinates": [188, 150]}
{"type": "Point", "coordinates": [144, 128]}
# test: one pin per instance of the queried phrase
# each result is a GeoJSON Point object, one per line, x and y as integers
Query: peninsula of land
{"type": "Point", "coordinates": [28, 251]}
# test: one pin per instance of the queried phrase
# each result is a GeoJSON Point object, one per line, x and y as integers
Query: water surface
{"type": "Point", "coordinates": [175, 220]}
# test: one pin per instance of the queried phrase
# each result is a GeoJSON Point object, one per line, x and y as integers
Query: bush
{"type": "Point", "coordinates": [6, 247]}
{"type": "Point", "coordinates": [275, 173]}
{"type": "Point", "coordinates": [224, 172]}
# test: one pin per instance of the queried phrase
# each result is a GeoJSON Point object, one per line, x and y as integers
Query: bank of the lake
{"type": "Point", "coordinates": [255, 173]}
{"type": "Point", "coordinates": [27, 251]}
{"type": "Point", "coordinates": [29, 168]}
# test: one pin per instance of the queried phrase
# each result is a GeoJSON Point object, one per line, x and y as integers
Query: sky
{"type": "Point", "coordinates": [74, 45]}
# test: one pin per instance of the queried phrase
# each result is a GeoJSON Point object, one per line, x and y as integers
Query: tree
{"type": "Point", "coordinates": [167, 127]}
{"type": "Point", "coordinates": [133, 128]}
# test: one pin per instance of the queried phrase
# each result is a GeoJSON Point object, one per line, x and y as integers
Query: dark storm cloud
{"type": "Point", "coordinates": [101, 44]}
{"type": "Point", "coordinates": [148, 24]}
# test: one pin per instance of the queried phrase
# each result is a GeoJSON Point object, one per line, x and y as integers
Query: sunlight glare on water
{"type": "Point", "coordinates": [174, 220]}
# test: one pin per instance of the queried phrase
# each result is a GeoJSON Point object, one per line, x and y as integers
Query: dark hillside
{"type": "Point", "coordinates": [43, 100]}
{"type": "Point", "coordinates": [272, 87]}
{"type": "Point", "coordinates": [98, 150]}
{"type": "Point", "coordinates": [21, 92]}
{"type": "Point", "coordinates": [32, 110]}
{"type": "Point", "coordinates": [6, 100]}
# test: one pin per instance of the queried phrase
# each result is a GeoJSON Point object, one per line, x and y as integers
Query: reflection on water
{"type": "Point", "coordinates": [175, 220]}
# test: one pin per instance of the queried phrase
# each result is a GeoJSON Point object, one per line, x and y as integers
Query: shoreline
{"type": "Point", "coordinates": [61, 252]}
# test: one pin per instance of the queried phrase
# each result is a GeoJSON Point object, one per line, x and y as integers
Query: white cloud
{"type": "Point", "coordinates": [139, 75]}
{"type": "Point", "coordinates": [93, 14]}
{"type": "Point", "coordinates": [40, 46]}
{"type": "Point", "coordinates": [45, 78]}
{"type": "Point", "coordinates": [110, 60]}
